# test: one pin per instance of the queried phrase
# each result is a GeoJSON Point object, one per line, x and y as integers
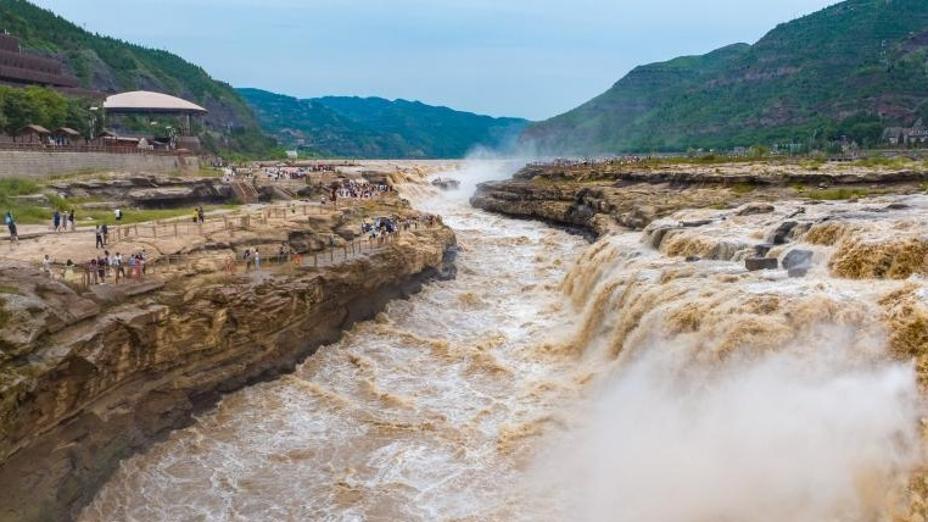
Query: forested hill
{"type": "Point", "coordinates": [851, 70]}
{"type": "Point", "coordinates": [109, 65]}
{"type": "Point", "coordinates": [378, 128]}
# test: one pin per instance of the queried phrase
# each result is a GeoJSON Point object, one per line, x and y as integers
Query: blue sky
{"type": "Point", "coordinates": [529, 58]}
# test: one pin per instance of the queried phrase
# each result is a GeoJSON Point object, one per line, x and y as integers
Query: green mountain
{"type": "Point", "coordinates": [851, 69]}
{"type": "Point", "coordinates": [377, 128]}
{"type": "Point", "coordinates": [108, 65]}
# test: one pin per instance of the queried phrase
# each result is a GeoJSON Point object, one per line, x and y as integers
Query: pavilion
{"type": "Point", "coordinates": [155, 103]}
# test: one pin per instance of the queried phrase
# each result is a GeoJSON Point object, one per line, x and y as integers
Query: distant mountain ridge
{"type": "Point", "coordinates": [106, 64]}
{"type": "Point", "coordinates": [377, 127]}
{"type": "Point", "coordinates": [851, 70]}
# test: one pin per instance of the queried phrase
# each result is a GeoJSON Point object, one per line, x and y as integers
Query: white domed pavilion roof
{"type": "Point", "coordinates": [146, 101]}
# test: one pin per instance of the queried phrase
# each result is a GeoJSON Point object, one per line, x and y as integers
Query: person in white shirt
{"type": "Point", "coordinates": [118, 266]}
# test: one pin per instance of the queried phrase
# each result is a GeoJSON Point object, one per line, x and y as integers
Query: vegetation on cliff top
{"type": "Point", "coordinates": [378, 128]}
{"type": "Point", "coordinates": [851, 70]}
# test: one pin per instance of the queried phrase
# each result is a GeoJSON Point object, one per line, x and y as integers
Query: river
{"type": "Point", "coordinates": [418, 415]}
{"type": "Point", "coordinates": [555, 380]}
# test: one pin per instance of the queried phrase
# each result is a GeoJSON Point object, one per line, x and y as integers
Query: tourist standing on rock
{"type": "Point", "coordinates": [92, 272]}
{"type": "Point", "coordinates": [56, 221]}
{"type": "Point", "coordinates": [101, 269]}
{"type": "Point", "coordinates": [201, 215]}
{"type": "Point", "coordinates": [106, 234]}
{"type": "Point", "coordinates": [99, 234]}
{"type": "Point", "coordinates": [257, 260]}
{"type": "Point", "coordinates": [118, 214]}
{"type": "Point", "coordinates": [47, 265]}
{"type": "Point", "coordinates": [11, 225]}
{"type": "Point", "coordinates": [117, 265]}
{"type": "Point", "coordinates": [71, 219]}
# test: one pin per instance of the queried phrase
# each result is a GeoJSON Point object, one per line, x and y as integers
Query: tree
{"type": "Point", "coordinates": [18, 110]}
{"type": "Point", "coordinates": [40, 106]}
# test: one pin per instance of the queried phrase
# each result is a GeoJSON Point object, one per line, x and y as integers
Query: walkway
{"type": "Point", "coordinates": [170, 235]}
{"type": "Point", "coordinates": [168, 267]}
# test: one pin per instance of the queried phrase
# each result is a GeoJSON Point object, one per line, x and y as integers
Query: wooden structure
{"type": "Point", "coordinates": [21, 69]}
{"type": "Point", "coordinates": [33, 134]}
{"type": "Point", "coordinates": [66, 136]}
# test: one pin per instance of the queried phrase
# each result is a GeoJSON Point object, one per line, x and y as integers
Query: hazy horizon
{"type": "Point", "coordinates": [524, 59]}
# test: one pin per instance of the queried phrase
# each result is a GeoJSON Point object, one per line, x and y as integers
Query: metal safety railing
{"type": "Point", "coordinates": [167, 266]}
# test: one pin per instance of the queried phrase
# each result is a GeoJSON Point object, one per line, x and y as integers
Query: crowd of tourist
{"type": "Point", "coordinates": [350, 189]}
{"type": "Point", "coordinates": [62, 222]}
{"type": "Point", "coordinates": [275, 173]}
{"type": "Point", "coordinates": [383, 227]}
{"type": "Point", "coordinates": [101, 269]}
{"type": "Point", "coordinates": [609, 160]}
{"type": "Point", "coordinates": [251, 258]}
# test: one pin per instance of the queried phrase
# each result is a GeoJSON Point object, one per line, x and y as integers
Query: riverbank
{"type": "Point", "coordinates": [92, 375]}
{"type": "Point", "coordinates": [603, 197]}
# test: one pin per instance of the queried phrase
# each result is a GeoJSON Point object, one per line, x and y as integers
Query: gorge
{"type": "Point", "coordinates": [713, 309]}
{"type": "Point", "coordinates": [553, 379]}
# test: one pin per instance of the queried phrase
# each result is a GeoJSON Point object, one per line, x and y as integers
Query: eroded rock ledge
{"type": "Point", "coordinates": [602, 197]}
{"type": "Point", "coordinates": [86, 382]}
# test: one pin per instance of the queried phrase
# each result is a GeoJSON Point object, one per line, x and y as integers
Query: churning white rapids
{"type": "Point", "coordinates": [499, 396]}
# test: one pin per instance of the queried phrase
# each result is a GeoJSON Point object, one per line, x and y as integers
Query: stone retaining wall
{"type": "Point", "coordinates": [40, 164]}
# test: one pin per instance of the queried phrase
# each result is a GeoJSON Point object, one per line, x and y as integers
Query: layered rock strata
{"type": "Point", "coordinates": [603, 197]}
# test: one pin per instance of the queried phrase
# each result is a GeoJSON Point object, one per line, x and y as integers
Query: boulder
{"type": "Point", "coordinates": [798, 259]}
{"type": "Point", "coordinates": [447, 183]}
{"type": "Point", "coordinates": [693, 259]}
{"type": "Point", "coordinates": [762, 249]}
{"type": "Point", "coordinates": [726, 250]}
{"type": "Point", "coordinates": [756, 208]}
{"type": "Point", "coordinates": [754, 264]}
{"type": "Point", "coordinates": [781, 235]}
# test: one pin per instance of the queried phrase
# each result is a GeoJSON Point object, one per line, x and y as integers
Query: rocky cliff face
{"type": "Point", "coordinates": [87, 379]}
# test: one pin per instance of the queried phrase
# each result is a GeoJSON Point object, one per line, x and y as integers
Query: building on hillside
{"type": "Point", "coordinates": [21, 69]}
{"type": "Point", "coordinates": [907, 136]}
